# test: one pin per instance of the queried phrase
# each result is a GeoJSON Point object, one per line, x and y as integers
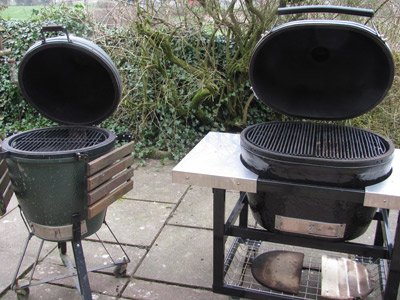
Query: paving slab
{"type": "Point", "coordinates": [139, 289]}
{"type": "Point", "coordinates": [100, 283]}
{"type": "Point", "coordinates": [95, 256]}
{"type": "Point", "coordinates": [13, 235]}
{"type": "Point", "coordinates": [180, 255]}
{"type": "Point", "coordinates": [135, 222]}
{"type": "Point", "coordinates": [50, 291]}
{"type": "Point", "coordinates": [12, 205]}
{"type": "Point", "coordinates": [196, 208]}
{"type": "Point", "coordinates": [153, 182]}
{"type": "Point", "coordinates": [369, 236]}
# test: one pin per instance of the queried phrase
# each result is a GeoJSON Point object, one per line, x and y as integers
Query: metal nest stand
{"type": "Point", "coordinates": [75, 268]}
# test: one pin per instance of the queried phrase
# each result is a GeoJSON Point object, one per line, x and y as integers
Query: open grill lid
{"type": "Point", "coordinates": [320, 69]}
{"type": "Point", "coordinates": [69, 79]}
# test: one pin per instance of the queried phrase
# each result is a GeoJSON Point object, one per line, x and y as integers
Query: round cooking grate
{"type": "Point", "coordinates": [326, 141]}
{"type": "Point", "coordinates": [59, 140]}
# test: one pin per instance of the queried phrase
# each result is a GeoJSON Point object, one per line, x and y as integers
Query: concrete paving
{"type": "Point", "coordinates": [165, 228]}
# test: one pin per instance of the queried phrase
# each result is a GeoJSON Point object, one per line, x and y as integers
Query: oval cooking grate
{"type": "Point", "coordinates": [319, 140]}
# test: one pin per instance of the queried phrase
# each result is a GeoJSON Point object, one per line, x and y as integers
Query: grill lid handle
{"type": "Point", "coordinates": [54, 28]}
{"type": "Point", "coordinates": [355, 11]}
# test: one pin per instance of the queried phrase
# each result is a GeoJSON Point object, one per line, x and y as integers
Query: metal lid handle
{"type": "Point", "coordinates": [364, 12]}
{"type": "Point", "coordinates": [54, 28]}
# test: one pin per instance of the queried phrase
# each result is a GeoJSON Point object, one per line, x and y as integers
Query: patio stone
{"type": "Point", "coordinates": [196, 208]}
{"type": "Point", "coordinates": [369, 236]}
{"type": "Point", "coordinates": [50, 291]}
{"type": "Point", "coordinates": [13, 204]}
{"type": "Point", "coordinates": [13, 235]}
{"type": "Point", "coordinates": [153, 182]}
{"type": "Point", "coordinates": [180, 256]}
{"type": "Point", "coordinates": [135, 222]}
{"type": "Point", "coordinates": [100, 283]}
{"type": "Point", "coordinates": [95, 257]}
{"type": "Point", "coordinates": [139, 289]}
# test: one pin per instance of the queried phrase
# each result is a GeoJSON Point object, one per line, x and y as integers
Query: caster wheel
{"type": "Point", "coordinates": [120, 271]}
{"type": "Point", "coordinates": [22, 294]}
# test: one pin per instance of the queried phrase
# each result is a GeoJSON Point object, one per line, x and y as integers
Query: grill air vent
{"type": "Point", "coordinates": [325, 141]}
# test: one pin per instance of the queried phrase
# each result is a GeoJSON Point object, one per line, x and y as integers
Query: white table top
{"type": "Point", "coordinates": [215, 162]}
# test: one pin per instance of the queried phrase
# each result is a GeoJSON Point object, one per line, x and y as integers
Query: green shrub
{"type": "Point", "coordinates": [385, 117]}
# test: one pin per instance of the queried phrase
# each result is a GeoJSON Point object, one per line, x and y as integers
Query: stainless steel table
{"type": "Point", "coordinates": [215, 162]}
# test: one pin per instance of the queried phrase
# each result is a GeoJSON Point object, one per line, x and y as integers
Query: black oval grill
{"type": "Point", "coordinates": [58, 139]}
{"type": "Point", "coordinates": [317, 140]}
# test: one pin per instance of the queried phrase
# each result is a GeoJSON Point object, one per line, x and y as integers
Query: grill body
{"type": "Point", "coordinates": [315, 153]}
{"type": "Point", "coordinates": [304, 154]}
{"type": "Point", "coordinates": [71, 81]}
{"type": "Point", "coordinates": [48, 172]}
{"type": "Point", "coordinates": [322, 70]}
{"type": "Point", "coordinates": [303, 210]}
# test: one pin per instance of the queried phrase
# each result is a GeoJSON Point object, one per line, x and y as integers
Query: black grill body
{"type": "Point", "coordinates": [340, 211]}
{"type": "Point", "coordinates": [316, 153]}
{"type": "Point", "coordinates": [322, 70]}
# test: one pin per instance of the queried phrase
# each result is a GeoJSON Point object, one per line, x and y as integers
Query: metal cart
{"type": "Point", "coordinates": [215, 163]}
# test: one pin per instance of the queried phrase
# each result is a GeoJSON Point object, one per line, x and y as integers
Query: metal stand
{"type": "Point", "coordinates": [76, 268]}
{"type": "Point", "coordinates": [84, 286]}
{"type": "Point", "coordinates": [382, 249]}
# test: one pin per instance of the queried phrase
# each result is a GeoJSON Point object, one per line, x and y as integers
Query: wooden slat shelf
{"type": "Point", "coordinates": [104, 161]}
{"type": "Point", "coordinates": [6, 190]}
{"type": "Point", "coordinates": [108, 172]}
{"type": "Point", "coordinates": [110, 185]}
{"type": "Point", "coordinates": [109, 178]}
{"type": "Point", "coordinates": [103, 203]}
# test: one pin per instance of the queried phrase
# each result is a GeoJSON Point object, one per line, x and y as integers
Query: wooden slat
{"type": "Point", "coordinates": [101, 177]}
{"type": "Point", "coordinates": [107, 159]}
{"type": "Point", "coordinates": [110, 185]}
{"type": "Point", "coordinates": [102, 204]}
{"type": "Point", "coordinates": [4, 181]}
{"type": "Point", "coordinates": [7, 196]}
{"type": "Point", "coordinates": [3, 166]}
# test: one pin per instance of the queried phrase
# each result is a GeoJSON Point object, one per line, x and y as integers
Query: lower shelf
{"type": "Point", "coordinates": [242, 252]}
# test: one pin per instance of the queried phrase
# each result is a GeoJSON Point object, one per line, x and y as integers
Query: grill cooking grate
{"type": "Point", "coordinates": [317, 140]}
{"type": "Point", "coordinates": [58, 139]}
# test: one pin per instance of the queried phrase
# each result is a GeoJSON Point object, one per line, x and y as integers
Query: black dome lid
{"type": "Point", "coordinates": [70, 81]}
{"type": "Point", "coordinates": [320, 69]}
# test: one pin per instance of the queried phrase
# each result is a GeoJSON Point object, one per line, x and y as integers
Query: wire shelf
{"type": "Point", "coordinates": [242, 253]}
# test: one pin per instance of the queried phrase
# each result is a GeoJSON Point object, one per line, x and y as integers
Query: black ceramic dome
{"type": "Point", "coordinates": [321, 69]}
{"type": "Point", "coordinates": [70, 81]}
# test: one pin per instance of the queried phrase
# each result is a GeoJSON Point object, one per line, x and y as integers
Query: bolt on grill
{"type": "Point", "coordinates": [58, 139]}
{"type": "Point", "coordinates": [317, 140]}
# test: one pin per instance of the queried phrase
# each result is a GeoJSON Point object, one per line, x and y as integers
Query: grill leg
{"type": "Point", "coordinates": [244, 212]}
{"type": "Point", "coordinates": [62, 247]}
{"type": "Point", "coordinates": [83, 278]}
{"type": "Point", "coordinates": [14, 283]}
{"type": "Point", "coordinates": [393, 279]}
{"type": "Point", "coordinates": [218, 252]}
